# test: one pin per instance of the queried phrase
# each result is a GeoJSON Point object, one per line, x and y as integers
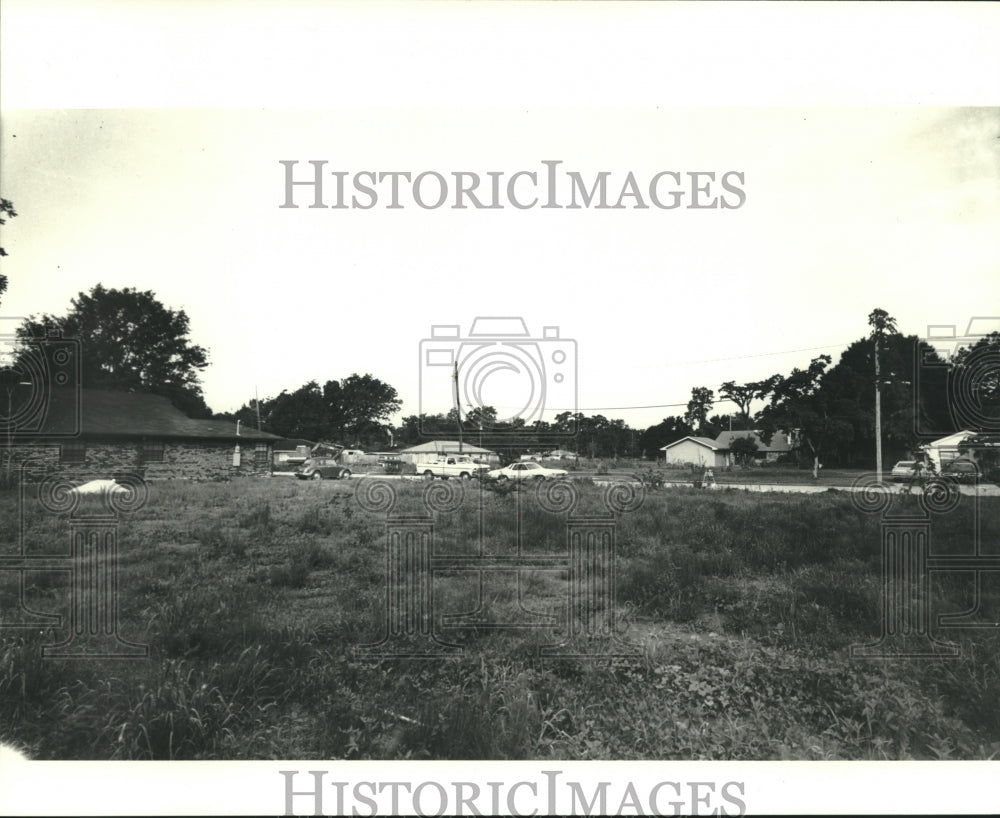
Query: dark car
{"type": "Point", "coordinates": [964, 471]}
{"type": "Point", "coordinates": [322, 468]}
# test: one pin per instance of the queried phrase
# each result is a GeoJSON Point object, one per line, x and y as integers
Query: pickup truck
{"type": "Point", "coordinates": [461, 466]}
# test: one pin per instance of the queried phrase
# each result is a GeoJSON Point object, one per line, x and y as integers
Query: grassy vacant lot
{"type": "Point", "coordinates": [252, 596]}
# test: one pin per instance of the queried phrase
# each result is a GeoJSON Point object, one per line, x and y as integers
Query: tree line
{"type": "Point", "coordinates": [134, 342]}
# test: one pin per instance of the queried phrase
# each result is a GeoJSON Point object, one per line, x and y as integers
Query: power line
{"type": "Point", "coordinates": [680, 363]}
{"type": "Point", "coordinates": [757, 355]}
{"type": "Point", "coordinates": [605, 408]}
{"type": "Point", "coordinates": [685, 363]}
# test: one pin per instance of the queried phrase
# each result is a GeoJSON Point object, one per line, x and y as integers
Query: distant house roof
{"type": "Point", "coordinates": [702, 441]}
{"type": "Point", "coordinates": [290, 444]}
{"type": "Point", "coordinates": [949, 440]}
{"type": "Point", "coordinates": [779, 441]}
{"type": "Point", "coordinates": [107, 414]}
{"type": "Point", "coordinates": [444, 446]}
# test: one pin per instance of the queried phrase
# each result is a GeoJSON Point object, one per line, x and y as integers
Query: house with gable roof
{"type": "Point", "coordinates": [700, 451]}
{"type": "Point", "coordinates": [97, 433]}
{"type": "Point", "coordinates": [717, 453]}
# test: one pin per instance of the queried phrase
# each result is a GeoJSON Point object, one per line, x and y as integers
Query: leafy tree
{"type": "Point", "coordinates": [975, 384]}
{"type": "Point", "coordinates": [482, 417]}
{"type": "Point", "coordinates": [799, 404]}
{"type": "Point", "coordinates": [745, 394]}
{"type": "Point", "coordinates": [361, 406]}
{"type": "Point", "coordinates": [743, 449]}
{"type": "Point", "coordinates": [702, 399]}
{"type": "Point", "coordinates": [247, 415]}
{"type": "Point", "coordinates": [301, 414]}
{"type": "Point", "coordinates": [481, 420]}
{"type": "Point", "coordinates": [353, 411]}
{"type": "Point", "coordinates": [6, 209]}
{"type": "Point", "coordinates": [984, 448]}
{"type": "Point", "coordinates": [129, 340]}
{"type": "Point", "coordinates": [413, 428]}
{"type": "Point", "coordinates": [667, 431]}
{"type": "Point", "coordinates": [849, 389]}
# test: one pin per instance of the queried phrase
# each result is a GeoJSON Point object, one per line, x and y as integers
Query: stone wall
{"type": "Point", "coordinates": [186, 460]}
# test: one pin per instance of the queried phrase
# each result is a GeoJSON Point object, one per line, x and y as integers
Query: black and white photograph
{"type": "Point", "coordinates": [484, 408]}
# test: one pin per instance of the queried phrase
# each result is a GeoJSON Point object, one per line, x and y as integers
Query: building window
{"type": "Point", "coordinates": [73, 453]}
{"type": "Point", "coordinates": [151, 451]}
{"type": "Point", "coordinates": [260, 454]}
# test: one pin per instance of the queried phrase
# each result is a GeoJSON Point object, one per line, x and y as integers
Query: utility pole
{"type": "Point", "coordinates": [256, 402]}
{"type": "Point", "coordinates": [878, 416]}
{"type": "Point", "coordinates": [458, 407]}
{"type": "Point", "coordinates": [882, 324]}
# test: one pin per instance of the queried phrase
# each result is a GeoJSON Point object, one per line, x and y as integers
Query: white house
{"type": "Point", "coordinates": [945, 449]}
{"type": "Point", "coordinates": [437, 448]}
{"type": "Point", "coordinates": [701, 451]}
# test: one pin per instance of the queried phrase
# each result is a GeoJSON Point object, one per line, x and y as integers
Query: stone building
{"type": "Point", "coordinates": [94, 433]}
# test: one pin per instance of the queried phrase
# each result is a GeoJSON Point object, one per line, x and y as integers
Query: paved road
{"type": "Point", "coordinates": [800, 488]}
{"type": "Point", "coordinates": [813, 488]}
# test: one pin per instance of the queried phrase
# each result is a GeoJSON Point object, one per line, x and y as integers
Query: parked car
{"type": "Point", "coordinates": [962, 470]}
{"type": "Point", "coordinates": [320, 468]}
{"type": "Point", "coordinates": [905, 470]}
{"type": "Point", "coordinates": [461, 466]}
{"type": "Point", "coordinates": [527, 471]}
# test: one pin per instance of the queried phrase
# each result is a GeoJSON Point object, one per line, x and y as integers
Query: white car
{"type": "Point", "coordinates": [526, 471]}
{"type": "Point", "coordinates": [905, 470]}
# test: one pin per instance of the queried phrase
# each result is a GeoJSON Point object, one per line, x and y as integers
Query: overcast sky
{"type": "Point", "coordinates": [140, 143]}
{"type": "Point", "coordinates": [846, 208]}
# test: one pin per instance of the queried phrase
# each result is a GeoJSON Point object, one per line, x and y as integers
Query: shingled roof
{"type": "Point", "coordinates": [779, 441]}
{"type": "Point", "coordinates": [701, 441]}
{"type": "Point", "coordinates": [110, 414]}
{"type": "Point", "coordinates": [445, 447]}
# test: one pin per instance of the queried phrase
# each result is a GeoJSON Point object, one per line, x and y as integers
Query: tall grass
{"type": "Point", "coordinates": [252, 598]}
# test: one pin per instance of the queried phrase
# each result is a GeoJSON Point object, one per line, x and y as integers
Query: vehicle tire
{"type": "Point", "coordinates": [428, 475]}
{"type": "Point", "coordinates": [465, 476]}
{"type": "Point", "coordinates": [345, 474]}
{"type": "Point", "coordinates": [316, 476]}
{"type": "Point", "coordinates": [502, 478]}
